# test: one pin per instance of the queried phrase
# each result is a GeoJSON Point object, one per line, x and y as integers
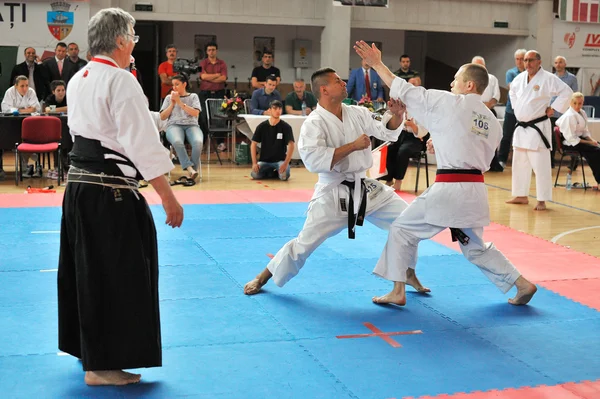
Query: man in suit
{"type": "Point", "coordinates": [360, 79]}
{"type": "Point", "coordinates": [59, 67]}
{"type": "Point", "coordinates": [33, 71]}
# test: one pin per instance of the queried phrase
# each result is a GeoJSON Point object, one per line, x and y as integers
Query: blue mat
{"type": "Point", "coordinates": [219, 343]}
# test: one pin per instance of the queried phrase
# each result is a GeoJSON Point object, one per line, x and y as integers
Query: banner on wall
{"type": "Point", "coordinates": [587, 11]}
{"type": "Point", "coordinates": [578, 43]}
{"type": "Point", "coordinates": [42, 24]}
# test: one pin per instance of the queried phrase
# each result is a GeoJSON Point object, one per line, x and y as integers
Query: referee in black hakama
{"type": "Point", "coordinates": [108, 306]}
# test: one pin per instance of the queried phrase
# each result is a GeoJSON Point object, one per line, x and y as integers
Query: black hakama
{"type": "Point", "coordinates": [108, 307]}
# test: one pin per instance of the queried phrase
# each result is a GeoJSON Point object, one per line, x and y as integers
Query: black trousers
{"type": "Point", "coordinates": [591, 153]}
{"type": "Point", "coordinates": [108, 313]}
{"type": "Point", "coordinates": [400, 152]}
{"type": "Point", "coordinates": [508, 130]}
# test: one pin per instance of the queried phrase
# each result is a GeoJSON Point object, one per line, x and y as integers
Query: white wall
{"type": "Point", "coordinates": [456, 49]}
{"type": "Point", "coordinates": [392, 42]}
{"type": "Point", "coordinates": [236, 46]}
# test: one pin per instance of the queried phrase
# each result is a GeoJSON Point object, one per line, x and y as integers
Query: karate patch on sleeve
{"type": "Point", "coordinates": [376, 116]}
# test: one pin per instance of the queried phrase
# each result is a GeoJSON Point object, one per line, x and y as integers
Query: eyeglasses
{"type": "Point", "coordinates": [135, 38]}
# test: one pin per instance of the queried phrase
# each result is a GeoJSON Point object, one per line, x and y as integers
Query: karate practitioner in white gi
{"type": "Point", "coordinates": [334, 142]}
{"type": "Point", "coordinates": [530, 95]}
{"type": "Point", "coordinates": [465, 134]}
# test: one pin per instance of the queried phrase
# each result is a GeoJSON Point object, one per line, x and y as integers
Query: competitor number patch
{"type": "Point", "coordinates": [480, 125]}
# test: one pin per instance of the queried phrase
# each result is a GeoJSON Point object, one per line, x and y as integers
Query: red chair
{"type": "Point", "coordinates": [39, 135]}
{"type": "Point", "coordinates": [569, 151]}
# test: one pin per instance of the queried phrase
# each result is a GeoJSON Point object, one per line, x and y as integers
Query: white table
{"type": "Point", "coordinates": [295, 121]}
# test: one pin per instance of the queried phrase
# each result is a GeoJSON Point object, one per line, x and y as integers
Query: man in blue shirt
{"type": "Point", "coordinates": [261, 98]}
{"type": "Point", "coordinates": [560, 65]}
{"type": "Point", "coordinates": [510, 121]}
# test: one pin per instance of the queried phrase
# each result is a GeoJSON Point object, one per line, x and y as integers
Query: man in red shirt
{"type": "Point", "coordinates": [213, 74]}
{"type": "Point", "coordinates": [165, 71]}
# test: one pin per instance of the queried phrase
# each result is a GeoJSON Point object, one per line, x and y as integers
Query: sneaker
{"type": "Point", "coordinates": [222, 147]}
{"type": "Point", "coordinates": [503, 164]}
{"type": "Point", "coordinates": [28, 172]}
{"type": "Point", "coordinates": [2, 174]}
{"type": "Point", "coordinates": [38, 172]}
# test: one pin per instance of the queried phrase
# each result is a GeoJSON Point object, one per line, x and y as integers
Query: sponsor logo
{"type": "Point", "coordinates": [570, 39]}
{"type": "Point", "coordinates": [592, 40]}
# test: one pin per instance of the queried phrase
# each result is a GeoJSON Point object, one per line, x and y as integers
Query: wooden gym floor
{"type": "Point", "coordinates": [572, 218]}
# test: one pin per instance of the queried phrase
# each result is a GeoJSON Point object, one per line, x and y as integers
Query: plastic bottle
{"type": "Point", "coordinates": [303, 108]}
{"type": "Point", "coordinates": [569, 184]}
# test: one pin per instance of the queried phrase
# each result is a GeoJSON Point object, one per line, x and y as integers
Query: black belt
{"type": "Point", "coordinates": [88, 154]}
{"type": "Point", "coordinates": [533, 125]}
{"type": "Point", "coordinates": [458, 172]}
{"type": "Point", "coordinates": [360, 218]}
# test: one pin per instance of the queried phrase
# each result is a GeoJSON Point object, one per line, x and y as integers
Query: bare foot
{"type": "Point", "coordinates": [111, 377]}
{"type": "Point", "coordinates": [396, 297]}
{"type": "Point", "coordinates": [525, 291]}
{"type": "Point", "coordinates": [254, 286]}
{"type": "Point", "coordinates": [518, 200]}
{"type": "Point", "coordinates": [398, 185]}
{"type": "Point", "coordinates": [413, 281]}
{"type": "Point", "coordinates": [541, 206]}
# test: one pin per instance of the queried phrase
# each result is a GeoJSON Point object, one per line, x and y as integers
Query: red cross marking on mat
{"type": "Point", "coordinates": [383, 335]}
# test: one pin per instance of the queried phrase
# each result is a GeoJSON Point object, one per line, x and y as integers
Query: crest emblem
{"type": "Point", "coordinates": [536, 88]}
{"type": "Point", "coordinates": [60, 20]}
{"type": "Point", "coordinates": [570, 39]}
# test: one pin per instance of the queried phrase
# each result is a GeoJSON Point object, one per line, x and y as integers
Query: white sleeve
{"type": "Point", "coordinates": [6, 105]}
{"type": "Point", "coordinates": [496, 92]}
{"type": "Point", "coordinates": [32, 100]}
{"type": "Point", "coordinates": [376, 125]}
{"type": "Point", "coordinates": [312, 146]}
{"type": "Point", "coordinates": [563, 94]}
{"type": "Point", "coordinates": [137, 133]}
{"type": "Point", "coordinates": [568, 125]}
{"type": "Point", "coordinates": [419, 102]}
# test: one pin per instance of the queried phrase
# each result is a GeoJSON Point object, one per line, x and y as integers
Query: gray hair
{"type": "Point", "coordinates": [105, 27]}
{"type": "Point", "coordinates": [20, 78]}
{"type": "Point", "coordinates": [520, 51]}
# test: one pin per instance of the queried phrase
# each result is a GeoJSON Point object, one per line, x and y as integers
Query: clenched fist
{"type": "Point", "coordinates": [362, 142]}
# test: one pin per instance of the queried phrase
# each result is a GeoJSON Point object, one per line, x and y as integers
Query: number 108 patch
{"type": "Point", "coordinates": [480, 124]}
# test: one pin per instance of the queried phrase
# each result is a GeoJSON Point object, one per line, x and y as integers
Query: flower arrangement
{"type": "Point", "coordinates": [367, 103]}
{"type": "Point", "coordinates": [232, 106]}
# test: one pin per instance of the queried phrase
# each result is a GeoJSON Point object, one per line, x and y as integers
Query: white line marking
{"type": "Point", "coordinates": [561, 235]}
{"type": "Point", "coordinates": [48, 270]}
{"type": "Point", "coordinates": [46, 232]}
{"type": "Point", "coordinates": [62, 354]}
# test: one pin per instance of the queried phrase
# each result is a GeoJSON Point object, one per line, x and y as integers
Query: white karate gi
{"type": "Point", "coordinates": [492, 90]}
{"type": "Point", "coordinates": [465, 134]}
{"type": "Point", "coordinates": [12, 99]}
{"type": "Point", "coordinates": [321, 134]}
{"type": "Point", "coordinates": [529, 101]}
{"type": "Point", "coordinates": [573, 126]}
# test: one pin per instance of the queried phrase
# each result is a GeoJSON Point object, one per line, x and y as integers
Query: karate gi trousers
{"type": "Point", "coordinates": [325, 218]}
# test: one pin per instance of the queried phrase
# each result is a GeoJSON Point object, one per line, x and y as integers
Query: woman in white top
{"type": "Point", "coordinates": [573, 126]}
{"type": "Point", "coordinates": [20, 97]}
{"type": "Point", "coordinates": [181, 110]}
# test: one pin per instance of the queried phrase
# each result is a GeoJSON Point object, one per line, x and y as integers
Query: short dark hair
{"type": "Point", "coordinates": [211, 44]}
{"type": "Point", "coordinates": [183, 78]}
{"type": "Point", "coordinates": [168, 46]}
{"type": "Point", "coordinates": [275, 104]}
{"type": "Point", "coordinates": [318, 79]}
{"type": "Point", "coordinates": [404, 56]}
{"type": "Point", "coordinates": [267, 52]}
{"type": "Point", "coordinates": [60, 44]}
{"type": "Point", "coordinates": [271, 77]}
{"type": "Point", "coordinates": [477, 74]}
{"type": "Point", "coordinates": [56, 83]}
{"type": "Point", "coordinates": [74, 44]}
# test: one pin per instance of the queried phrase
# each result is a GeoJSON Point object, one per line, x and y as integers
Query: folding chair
{"type": "Point", "coordinates": [571, 152]}
{"type": "Point", "coordinates": [216, 125]}
{"type": "Point", "coordinates": [39, 135]}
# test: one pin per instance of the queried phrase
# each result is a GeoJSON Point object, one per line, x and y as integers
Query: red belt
{"type": "Point", "coordinates": [458, 178]}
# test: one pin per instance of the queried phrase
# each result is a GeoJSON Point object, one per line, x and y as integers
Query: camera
{"type": "Point", "coordinates": [189, 67]}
